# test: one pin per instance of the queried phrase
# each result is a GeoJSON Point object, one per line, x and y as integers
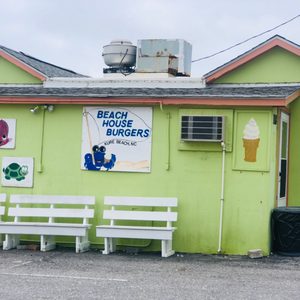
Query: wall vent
{"type": "Point", "coordinates": [202, 128]}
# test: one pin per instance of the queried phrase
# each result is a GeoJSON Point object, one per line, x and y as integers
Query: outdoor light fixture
{"type": "Point", "coordinates": [50, 107]}
{"type": "Point", "coordinates": [34, 109]}
{"type": "Point", "coordinates": [47, 107]}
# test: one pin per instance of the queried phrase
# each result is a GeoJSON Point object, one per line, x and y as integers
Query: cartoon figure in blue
{"type": "Point", "coordinates": [99, 160]}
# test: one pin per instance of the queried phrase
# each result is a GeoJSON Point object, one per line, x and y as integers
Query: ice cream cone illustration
{"type": "Point", "coordinates": [251, 140]}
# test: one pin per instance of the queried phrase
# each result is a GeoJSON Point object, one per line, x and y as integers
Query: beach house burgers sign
{"type": "Point", "coordinates": [116, 139]}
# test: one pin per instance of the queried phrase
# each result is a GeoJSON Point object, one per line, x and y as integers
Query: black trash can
{"type": "Point", "coordinates": [285, 226]}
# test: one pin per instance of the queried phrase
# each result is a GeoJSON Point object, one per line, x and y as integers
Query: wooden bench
{"type": "Point", "coordinates": [163, 233]}
{"type": "Point", "coordinates": [2, 211]}
{"type": "Point", "coordinates": [51, 215]}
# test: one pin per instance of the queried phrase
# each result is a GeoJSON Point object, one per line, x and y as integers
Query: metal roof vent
{"type": "Point", "coordinates": [119, 56]}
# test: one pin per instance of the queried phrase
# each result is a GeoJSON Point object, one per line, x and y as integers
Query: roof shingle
{"type": "Point", "coordinates": [259, 92]}
{"type": "Point", "coordinates": [49, 70]}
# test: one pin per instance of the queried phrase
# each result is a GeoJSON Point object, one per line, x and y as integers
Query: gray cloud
{"type": "Point", "coordinates": [72, 33]}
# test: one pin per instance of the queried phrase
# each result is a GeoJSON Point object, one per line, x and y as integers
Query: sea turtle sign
{"type": "Point", "coordinates": [17, 171]}
{"type": "Point", "coordinates": [116, 139]}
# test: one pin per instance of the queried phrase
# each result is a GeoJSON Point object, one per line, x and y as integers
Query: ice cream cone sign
{"type": "Point", "coordinates": [251, 140]}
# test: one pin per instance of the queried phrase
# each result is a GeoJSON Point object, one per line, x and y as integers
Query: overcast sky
{"type": "Point", "coordinates": [71, 33]}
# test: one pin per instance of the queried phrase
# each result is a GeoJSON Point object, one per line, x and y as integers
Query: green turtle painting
{"type": "Point", "coordinates": [15, 171]}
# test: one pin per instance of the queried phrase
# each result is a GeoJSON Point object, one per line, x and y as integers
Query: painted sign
{"type": "Point", "coordinates": [7, 133]}
{"type": "Point", "coordinates": [116, 139]}
{"type": "Point", "coordinates": [17, 171]}
{"type": "Point", "coordinates": [252, 140]}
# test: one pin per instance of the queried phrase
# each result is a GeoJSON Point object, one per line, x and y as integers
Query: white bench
{"type": "Point", "coordinates": [2, 211]}
{"type": "Point", "coordinates": [165, 233]}
{"type": "Point", "coordinates": [52, 214]}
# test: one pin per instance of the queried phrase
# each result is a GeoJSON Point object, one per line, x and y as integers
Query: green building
{"type": "Point", "coordinates": [228, 173]}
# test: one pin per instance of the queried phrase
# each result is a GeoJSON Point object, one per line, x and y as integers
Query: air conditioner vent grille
{"type": "Point", "coordinates": [202, 128]}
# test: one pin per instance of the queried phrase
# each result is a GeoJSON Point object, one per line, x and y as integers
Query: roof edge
{"type": "Point", "coordinates": [216, 101]}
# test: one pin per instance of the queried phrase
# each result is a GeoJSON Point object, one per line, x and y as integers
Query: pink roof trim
{"type": "Point", "coordinates": [218, 101]}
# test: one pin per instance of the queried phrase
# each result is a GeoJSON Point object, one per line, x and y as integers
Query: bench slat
{"type": "Point", "coordinates": [117, 227]}
{"type": "Point", "coordinates": [139, 215]}
{"type": "Point", "coordinates": [52, 199]}
{"type": "Point", "coordinates": [42, 229]}
{"type": "Point", "coordinates": [135, 232]}
{"type": "Point", "coordinates": [140, 201]}
{"type": "Point", "coordinates": [45, 224]}
{"type": "Point", "coordinates": [50, 212]}
{"type": "Point", "coordinates": [2, 197]}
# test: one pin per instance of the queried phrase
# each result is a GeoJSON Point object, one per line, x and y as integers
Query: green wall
{"type": "Point", "coordinates": [277, 66]}
{"type": "Point", "coordinates": [274, 66]}
{"type": "Point", "coordinates": [9, 73]}
{"type": "Point", "coordinates": [193, 176]}
{"type": "Point", "coordinates": [294, 157]}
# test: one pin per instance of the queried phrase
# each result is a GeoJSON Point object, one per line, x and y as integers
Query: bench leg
{"type": "Point", "coordinates": [11, 241]}
{"type": "Point", "coordinates": [106, 246]}
{"type": "Point", "coordinates": [47, 242]}
{"type": "Point", "coordinates": [166, 248]}
{"type": "Point", "coordinates": [109, 245]}
{"type": "Point", "coordinates": [112, 245]}
{"type": "Point", "coordinates": [82, 244]}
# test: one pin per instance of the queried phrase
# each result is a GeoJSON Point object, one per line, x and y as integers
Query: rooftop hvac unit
{"type": "Point", "coordinates": [172, 56]}
{"type": "Point", "coordinates": [202, 128]}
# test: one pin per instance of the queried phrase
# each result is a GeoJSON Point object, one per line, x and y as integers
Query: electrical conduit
{"type": "Point", "coordinates": [222, 197]}
{"type": "Point", "coordinates": [41, 167]}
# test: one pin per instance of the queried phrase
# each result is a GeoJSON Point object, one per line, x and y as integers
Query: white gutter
{"type": "Point", "coordinates": [133, 81]}
{"type": "Point", "coordinates": [222, 197]}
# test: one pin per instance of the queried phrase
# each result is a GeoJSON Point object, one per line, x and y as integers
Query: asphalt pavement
{"type": "Point", "coordinates": [62, 274]}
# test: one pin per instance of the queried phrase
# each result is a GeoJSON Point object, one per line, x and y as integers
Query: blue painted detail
{"type": "Point", "coordinates": [110, 164]}
{"type": "Point", "coordinates": [88, 162]}
{"type": "Point", "coordinates": [99, 159]}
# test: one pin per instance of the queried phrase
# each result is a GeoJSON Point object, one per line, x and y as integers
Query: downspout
{"type": "Point", "coordinates": [168, 115]}
{"type": "Point", "coordinates": [41, 167]}
{"type": "Point", "coordinates": [44, 108]}
{"type": "Point", "coordinates": [222, 197]}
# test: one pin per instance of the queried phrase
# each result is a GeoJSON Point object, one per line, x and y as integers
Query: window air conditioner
{"type": "Point", "coordinates": [202, 128]}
